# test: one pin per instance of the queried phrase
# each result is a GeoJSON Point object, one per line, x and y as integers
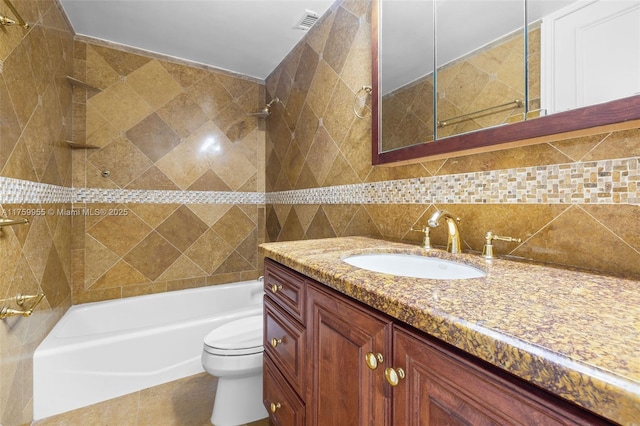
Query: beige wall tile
{"type": "Point", "coordinates": [146, 80]}
{"type": "Point", "coordinates": [34, 103]}
{"type": "Point", "coordinates": [120, 105]}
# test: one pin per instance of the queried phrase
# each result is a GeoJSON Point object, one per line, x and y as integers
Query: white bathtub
{"type": "Point", "coordinates": [103, 350]}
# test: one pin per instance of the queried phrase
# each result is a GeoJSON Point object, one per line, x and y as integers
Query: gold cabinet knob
{"type": "Point", "coordinates": [276, 287]}
{"type": "Point", "coordinates": [394, 375]}
{"type": "Point", "coordinates": [275, 342]}
{"type": "Point", "coordinates": [373, 360]}
{"type": "Point", "coordinates": [274, 406]}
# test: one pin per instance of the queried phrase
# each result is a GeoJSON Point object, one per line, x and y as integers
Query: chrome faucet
{"type": "Point", "coordinates": [453, 243]}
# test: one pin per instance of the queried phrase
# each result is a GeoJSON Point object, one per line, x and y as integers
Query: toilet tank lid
{"type": "Point", "coordinates": [237, 334]}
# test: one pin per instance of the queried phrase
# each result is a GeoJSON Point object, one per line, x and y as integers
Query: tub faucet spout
{"type": "Point", "coordinates": [453, 242]}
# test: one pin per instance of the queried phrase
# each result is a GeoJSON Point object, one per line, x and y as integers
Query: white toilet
{"type": "Point", "coordinates": [233, 353]}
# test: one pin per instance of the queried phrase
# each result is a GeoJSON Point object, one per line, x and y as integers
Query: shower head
{"type": "Point", "coordinates": [265, 111]}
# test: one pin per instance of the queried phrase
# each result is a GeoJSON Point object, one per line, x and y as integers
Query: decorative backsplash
{"type": "Point", "coordinates": [596, 182]}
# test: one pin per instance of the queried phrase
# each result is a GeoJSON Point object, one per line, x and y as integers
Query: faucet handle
{"type": "Point", "coordinates": [426, 243]}
{"type": "Point", "coordinates": [487, 251]}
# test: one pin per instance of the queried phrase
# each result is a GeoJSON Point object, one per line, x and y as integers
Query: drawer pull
{"type": "Point", "coordinates": [275, 406]}
{"type": "Point", "coordinates": [394, 375]}
{"type": "Point", "coordinates": [275, 342]}
{"type": "Point", "coordinates": [276, 287]}
{"type": "Point", "coordinates": [373, 360]}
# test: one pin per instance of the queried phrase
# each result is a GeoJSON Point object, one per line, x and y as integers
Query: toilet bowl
{"type": "Point", "coordinates": [233, 354]}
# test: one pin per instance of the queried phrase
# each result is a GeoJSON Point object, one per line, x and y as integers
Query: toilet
{"type": "Point", "coordinates": [233, 353]}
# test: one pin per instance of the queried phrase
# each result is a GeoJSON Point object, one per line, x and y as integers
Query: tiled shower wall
{"type": "Point", "coordinates": [174, 183]}
{"type": "Point", "coordinates": [35, 117]}
{"type": "Point", "coordinates": [317, 148]}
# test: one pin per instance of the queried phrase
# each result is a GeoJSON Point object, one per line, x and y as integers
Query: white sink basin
{"type": "Point", "coordinates": [410, 265]}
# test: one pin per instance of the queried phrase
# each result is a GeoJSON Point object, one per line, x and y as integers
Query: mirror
{"type": "Point", "coordinates": [406, 85]}
{"type": "Point", "coordinates": [480, 64]}
{"type": "Point", "coordinates": [492, 78]}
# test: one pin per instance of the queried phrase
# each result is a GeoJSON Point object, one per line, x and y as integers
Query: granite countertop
{"type": "Point", "coordinates": [573, 333]}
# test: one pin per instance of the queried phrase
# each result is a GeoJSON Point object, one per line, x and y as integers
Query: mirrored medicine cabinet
{"type": "Point", "coordinates": [452, 77]}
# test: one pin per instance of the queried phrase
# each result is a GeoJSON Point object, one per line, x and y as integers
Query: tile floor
{"type": "Point", "coordinates": [184, 402]}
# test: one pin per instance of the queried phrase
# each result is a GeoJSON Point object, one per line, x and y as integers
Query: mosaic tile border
{"type": "Point", "coordinates": [146, 196]}
{"type": "Point", "coordinates": [17, 191]}
{"type": "Point", "coordinates": [598, 182]}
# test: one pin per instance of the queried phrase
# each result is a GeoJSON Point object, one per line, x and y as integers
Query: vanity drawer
{"type": "Point", "coordinates": [282, 404]}
{"type": "Point", "coordinates": [285, 343]}
{"type": "Point", "coordinates": [286, 287]}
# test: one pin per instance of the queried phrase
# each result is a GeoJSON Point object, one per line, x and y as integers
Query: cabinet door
{"type": "Point", "coordinates": [282, 404]}
{"type": "Point", "coordinates": [444, 388]}
{"type": "Point", "coordinates": [343, 389]}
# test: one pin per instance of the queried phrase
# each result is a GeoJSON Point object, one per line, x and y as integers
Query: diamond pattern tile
{"type": "Point", "coordinates": [152, 256]}
{"type": "Point", "coordinates": [120, 275]}
{"type": "Point", "coordinates": [146, 80]}
{"type": "Point", "coordinates": [183, 267]}
{"type": "Point", "coordinates": [109, 232]}
{"type": "Point", "coordinates": [182, 228]}
{"type": "Point", "coordinates": [153, 137]}
{"type": "Point", "coordinates": [121, 105]}
{"type": "Point", "coordinates": [234, 226]}
{"type": "Point", "coordinates": [183, 115]}
{"type": "Point", "coordinates": [122, 159]}
{"type": "Point", "coordinates": [209, 251]}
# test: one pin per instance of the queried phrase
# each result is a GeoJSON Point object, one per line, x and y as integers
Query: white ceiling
{"type": "Point", "coordinates": [463, 27]}
{"type": "Point", "coordinates": [249, 37]}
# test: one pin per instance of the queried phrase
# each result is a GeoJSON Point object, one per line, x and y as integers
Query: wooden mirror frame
{"type": "Point", "coordinates": [537, 130]}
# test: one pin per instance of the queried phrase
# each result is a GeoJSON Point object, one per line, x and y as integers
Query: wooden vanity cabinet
{"type": "Point", "coordinates": [444, 386]}
{"type": "Point", "coordinates": [343, 389]}
{"type": "Point", "coordinates": [343, 357]}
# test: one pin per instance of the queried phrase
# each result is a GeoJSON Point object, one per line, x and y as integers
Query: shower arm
{"type": "Point", "coordinates": [266, 111]}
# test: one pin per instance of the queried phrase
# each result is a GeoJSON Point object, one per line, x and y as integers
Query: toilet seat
{"type": "Point", "coordinates": [243, 336]}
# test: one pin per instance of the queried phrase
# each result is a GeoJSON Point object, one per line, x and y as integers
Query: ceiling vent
{"type": "Point", "coordinates": [308, 19]}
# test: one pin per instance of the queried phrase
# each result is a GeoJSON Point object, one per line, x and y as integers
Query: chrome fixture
{"type": "Point", "coordinates": [453, 243]}
{"type": "Point", "coordinates": [266, 111]}
{"type": "Point", "coordinates": [359, 102]}
{"type": "Point", "coordinates": [426, 243]}
{"type": "Point", "coordinates": [487, 251]}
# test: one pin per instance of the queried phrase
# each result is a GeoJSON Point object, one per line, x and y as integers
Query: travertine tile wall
{"type": "Point", "coordinates": [35, 118]}
{"type": "Point", "coordinates": [316, 142]}
{"type": "Point", "coordinates": [163, 128]}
